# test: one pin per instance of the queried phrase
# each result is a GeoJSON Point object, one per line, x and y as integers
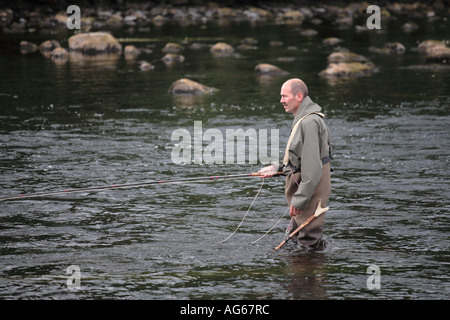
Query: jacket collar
{"type": "Point", "coordinates": [306, 107]}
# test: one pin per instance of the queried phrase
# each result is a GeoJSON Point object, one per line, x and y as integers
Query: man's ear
{"type": "Point", "coordinates": [299, 97]}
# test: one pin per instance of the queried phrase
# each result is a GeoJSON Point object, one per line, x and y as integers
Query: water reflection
{"type": "Point", "coordinates": [99, 60]}
{"type": "Point", "coordinates": [307, 274]}
{"type": "Point", "coordinates": [188, 100]}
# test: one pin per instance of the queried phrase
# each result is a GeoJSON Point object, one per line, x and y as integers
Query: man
{"type": "Point", "coordinates": [306, 163]}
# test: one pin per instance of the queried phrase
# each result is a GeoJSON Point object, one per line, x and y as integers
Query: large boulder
{"type": "Point", "coordinates": [189, 87]}
{"type": "Point", "coordinates": [93, 43]}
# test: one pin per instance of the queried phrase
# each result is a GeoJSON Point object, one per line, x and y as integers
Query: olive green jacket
{"type": "Point", "coordinates": [309, 150]}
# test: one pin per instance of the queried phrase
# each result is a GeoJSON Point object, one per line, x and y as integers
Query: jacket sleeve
{"type": "Point", "coordinates": [311, 164]}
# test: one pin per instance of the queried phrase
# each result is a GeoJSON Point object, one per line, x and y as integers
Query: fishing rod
{"type": "Point", "coordinates": [135, 185]}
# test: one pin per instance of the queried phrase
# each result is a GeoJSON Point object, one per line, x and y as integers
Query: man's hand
{"type": "Point", "coordinates": [268, 171]}
{"type": "Point", "coordinates": [293, 211]}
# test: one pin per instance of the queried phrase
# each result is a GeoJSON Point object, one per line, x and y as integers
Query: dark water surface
{"type": "Point", "coordinates": [95, 122]}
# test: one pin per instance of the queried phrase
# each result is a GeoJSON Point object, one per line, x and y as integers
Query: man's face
{"type": "Point", "coordinates": [290, 102]}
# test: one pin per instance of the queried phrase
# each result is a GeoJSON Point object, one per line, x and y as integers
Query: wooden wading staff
{"type": "Point", "coordinates": [318, 212]}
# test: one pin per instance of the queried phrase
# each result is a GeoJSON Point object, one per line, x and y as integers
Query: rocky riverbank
{"type": "Point", "coordinates": [50, 16]}
{"type": "Point", "coordinates": [98, 21]}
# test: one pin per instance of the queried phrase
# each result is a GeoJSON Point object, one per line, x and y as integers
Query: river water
{"type": "Point", "coordinates": [99, 122]}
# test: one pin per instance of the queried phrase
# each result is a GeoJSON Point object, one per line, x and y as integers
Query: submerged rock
{"type": "Point", "coordinates": [172, 47]}
{"type": "Point", "coordinates": [197, 46]}
{"type": "Point", "coordinates": [145, 66]}
{"type": "Point", "coordinates": [28, 47]}
{"type": "Point", "coordinates": [258, 14]}
{"type": "Point", "coordinates": [424, 45]}
{"type": "Point", "coordinates": [438, 54]}
{"type": "Point", "coordinates": [93, 43]}
{"type": "Point", "coordinates": [429, 67]}
{"type": "Point", "coordinates": [6, 17]}
{"type": "Point", "coordinates": [348, 69]}
{"type": "Point", "coordinates": [159, 20]}
{"type": "Point", "coordinates": [249, 41]}
{"type": "Point", "coordinates": [226, 12]}
{"type": "Point", "coordinates": [246, 47]}
{"type": "Point", "coordinates": [309, 33]}
{"type": "Point", "coordinates": [131, 52]}
{"type": "Point", "coordinates": [59, 54]}
{"type": "Point", "coordinates": [410, 27]}
{"type": "Point", "coordinates": [435, 51]}
{"type": "Point", "coordinates": [331, 41]}
{"type": "Point", "coordinates": [171, 58]}
{"type": "Point", "coordinates": [346, 57]}
{"type": "Point", "coordinates": [294, 17]}
{"type": "Point", "coordinates": [269, 70]}
{"type": "Point", "coordinates": [276, 43]}
{"type": "Point", "coordinates": [49, 45]}
{"type": "Point", "coordinates": [395, 47]}
{"type": "Point", "coordinates": [222, 49]}
{"type": "Point", "coordinates": [390, 48]}
{"type": "Point", "coordinates": [190, 87]}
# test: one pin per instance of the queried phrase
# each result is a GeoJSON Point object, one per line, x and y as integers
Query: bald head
{"type": "Point", "coordinates": [296, 86]}
{"type": "Point", "coordinates": [292, 94]}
